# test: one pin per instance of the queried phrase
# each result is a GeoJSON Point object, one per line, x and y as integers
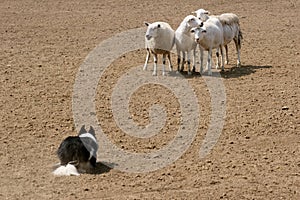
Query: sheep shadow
{"type": "Point", "coordinates": [184, 74]}
{"type": "Point", "coordinates": [102, 167]}
{"type": "Point", "coordinates": [233, 72]}
{"type": "Point", "coordinates": [244, 70]}
{"type": "Point", "coordinates": [215, 73]}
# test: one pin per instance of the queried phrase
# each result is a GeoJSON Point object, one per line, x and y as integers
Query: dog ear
{"type": "Point", "coordinates": [92, 131]}
{"type": "Point", "coordinates": [82, 130]}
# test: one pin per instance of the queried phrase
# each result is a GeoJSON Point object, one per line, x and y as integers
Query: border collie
{"type": "Point", "coordinates": [77, 154]}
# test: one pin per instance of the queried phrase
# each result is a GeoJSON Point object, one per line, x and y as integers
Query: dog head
{"type": "Point", "coordinates": [83, 131]}
{"type": "Point", "coordinates": [89, 140]}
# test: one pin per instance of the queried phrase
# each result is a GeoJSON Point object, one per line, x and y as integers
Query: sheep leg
{"type": "Point", "coordinates": [222, 57]}
{"type": "Point", "coordinates": [201, 60]}
{"type": "Point", "coordinates": [178, 60]}
{"type": "Point", "coordinates": [170, 64]}
{"type": "Point", "coordinates": [194, 61]}
{"type": "Point", "coordinates": [217, 58]}
{"type": "Point", "coordinates": [155, 65]}
{"type": "Point", "coordinates": [147, 59]}
{"type": "Point", "coordinates": [209, 61]}
{"type": "Point", "coordinates": [237, 46]}
{"type": "Point", "coordinates": [189, 62]}
{"type": "Point", "coordinates": [226, 53]}
{"type": "Point", "coordinates": [239, 58]}
{"type": "Point", "coordinates": [163, 64]}
{"type": "Point", "coordinates": [183, 61]}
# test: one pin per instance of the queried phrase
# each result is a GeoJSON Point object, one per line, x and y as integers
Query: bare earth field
{"type": "Point", "coordinates": [43, 43]}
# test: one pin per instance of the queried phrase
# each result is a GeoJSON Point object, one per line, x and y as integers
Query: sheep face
{"type": "Point", "coordinates": [202, 14]}
{"type": "Point", "coordinates": [152, 30]}
{"type": "Point", "coordinates": [193, 21]}
{"type": "Point", "coordinates": [199, 33]}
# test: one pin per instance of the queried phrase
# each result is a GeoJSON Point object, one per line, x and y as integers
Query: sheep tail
{"type": "Point", "coordinates": [240, 37]}
{"type": "Point", "coordinates": [173, 42]}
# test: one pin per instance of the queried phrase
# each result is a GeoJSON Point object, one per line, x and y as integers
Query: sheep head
{"type": "Point", "coordinates": [192, 21]}
{"type": "Point", "coordinates": [201, 14]}
{"type": "Point", "coordinates": [152, 30]}
{"type": "Point", "coordinates": [199, 33]}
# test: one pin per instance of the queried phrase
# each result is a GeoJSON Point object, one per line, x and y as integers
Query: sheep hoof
{"type": "Point", "coordinates": [194, 69]}
{"type": "Point", "coordinates": [209, 73]}
{"type": "Point", "coordinates": [226, 62]}
{"type": "Point", "coordinates": [164, 73]}
{"type": "Point", "coordinates": [238, 64]}
{"type": "Point", "coordinates": [189, 73]}
{"type": "Point", "coordinates": [154, 74]}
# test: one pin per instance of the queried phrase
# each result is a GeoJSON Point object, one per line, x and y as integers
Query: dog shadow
{"type": "Point", "coordinates": [101, 168]}
{"type": "Point", "coordinates": [244, 70]}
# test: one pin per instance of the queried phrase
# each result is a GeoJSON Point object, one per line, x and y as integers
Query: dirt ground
{"type": "Point", "coordinates": [43, 44]}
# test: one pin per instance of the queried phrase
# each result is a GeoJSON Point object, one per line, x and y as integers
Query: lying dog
{"type": "Point", "coordinates": [77, 154]}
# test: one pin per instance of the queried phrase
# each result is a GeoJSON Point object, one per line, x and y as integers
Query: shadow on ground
{"type": "Point", "coordinates": [236, 72]}
{"type": "Point", "coordinates": [233, 72]}
{"type": "Point", "coordinates": [102, 168]}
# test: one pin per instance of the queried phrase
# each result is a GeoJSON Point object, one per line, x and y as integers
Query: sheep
{"type": "Point", "coordinates": [219, 25]}
{"type": "Point", "coordinates": [185, 42]}
{"type": "Point", "coordinates": [231, 30]}
{"type": "Point", "coordinates": [159, 39]}
{"type": "Point", "coordinates": [209, 36]}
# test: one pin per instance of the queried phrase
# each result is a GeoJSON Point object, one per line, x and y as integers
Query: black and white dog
{"type": "Point", "coordinates": [77, 154]}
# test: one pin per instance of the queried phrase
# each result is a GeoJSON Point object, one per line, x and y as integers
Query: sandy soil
{"type": "Point", "coordinates": [43, 44]}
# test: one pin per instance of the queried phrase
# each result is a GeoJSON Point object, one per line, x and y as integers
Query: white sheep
{"type": "Point", "coordinates": [185, 41]}
{"type": "Point", "coordinates": [209, 36]}
{"type": "Point", "coordinates": [159, 39]}
{"type": "Point", "coordinates": [231, 30]}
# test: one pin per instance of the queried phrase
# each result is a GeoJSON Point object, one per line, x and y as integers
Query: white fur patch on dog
{"type": "Point", "coordinates": [67, 170]}
{"type": "Point", "coordinates": [88, 135]}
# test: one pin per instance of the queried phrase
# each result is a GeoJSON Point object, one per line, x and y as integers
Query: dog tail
{"type": "Point", "coordinates": [68, 170]}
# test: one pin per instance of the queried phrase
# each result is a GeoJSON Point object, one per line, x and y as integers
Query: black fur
{"type": "Point", "coordinates": [78, 151]}
{"type": "Point", "coordinates": [72, 150]}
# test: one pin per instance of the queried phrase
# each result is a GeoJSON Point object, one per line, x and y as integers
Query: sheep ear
{"type": "Point", "coordinates": [146, 23]}
{"type": "Point", "coordinates": [158, 26]}
{"type": "Point", "coordinates": [203, 31]}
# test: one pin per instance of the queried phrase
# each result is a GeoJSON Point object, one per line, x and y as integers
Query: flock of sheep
{"type": "Point", "coordinates": [208, 31]}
